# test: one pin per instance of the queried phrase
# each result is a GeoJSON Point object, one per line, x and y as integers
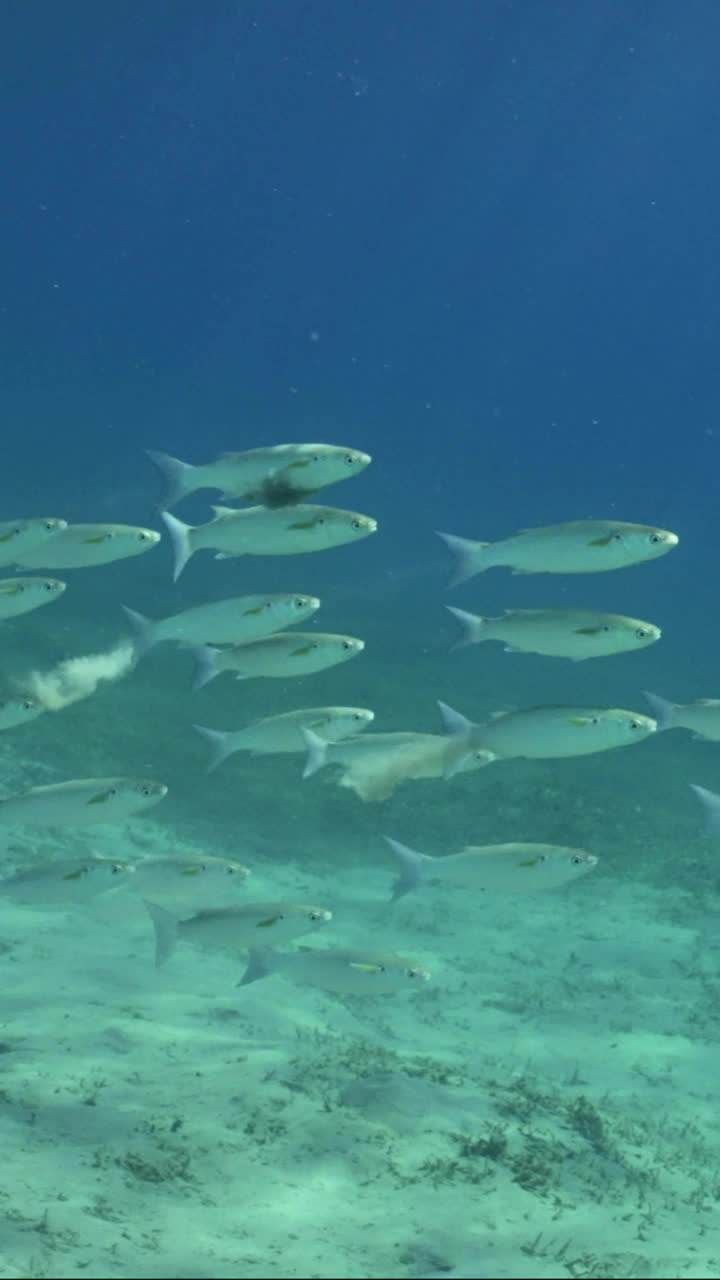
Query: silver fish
{"type": "Point", "coordinates": [343, 971]}
{"type": "Point", "coordinates": [223, 621]}
{"type": "Point", "coordinates": [235, 927]}
{"type": "Point", "coordinates": [276, 475]}
{"type": "Point", "coordinates": [81, 802]}
{"type": "Point", "coordinates": [509, 868]}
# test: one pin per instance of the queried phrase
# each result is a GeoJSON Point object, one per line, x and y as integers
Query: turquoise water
{"type": "Point", "coordinates": [479, 243]}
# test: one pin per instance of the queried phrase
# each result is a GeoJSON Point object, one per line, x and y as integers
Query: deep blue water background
{"type": "Point", "coordinates": [479, 240]}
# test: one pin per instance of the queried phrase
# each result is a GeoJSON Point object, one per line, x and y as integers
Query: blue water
{"type": "Point", "coordinates": [479, 241]}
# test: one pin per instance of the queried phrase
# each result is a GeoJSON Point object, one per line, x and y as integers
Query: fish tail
{"type": "Point", "coordinates": [471, 558]}
{"type": "Point", "coordinates": [178, 477]}
{"type": "Point", "coordinates": [710, 801]}
{"type": "Point", "coordinates": [410, 864]}
{"type": "Point", "coordinates": [663, 711]}
{"type": "Point", "coordinates": [165, 925]}
{"type": "Point", "coordinates": [205, 664]}
{"type": "Point", "coordinates": [317, 752]}
{"type": "Point", "coordinates": [219, 743]}
{"type": "Point", "coordinates": [259, 966]}
{"type": "Point", "coordinates": [454, 721]}
{"type": "Point", "coordinates": [142, 629]}
{"type": "Point", "coordinates": [180, 540]}
{"type": "Point", "coordinates": [474, 628]}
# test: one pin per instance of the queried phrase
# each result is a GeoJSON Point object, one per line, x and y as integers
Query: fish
{"type": "Point", "coordinates": [290, 653]}
{"type": "Point", "coordinates": [262, 531]}
{"type": "Point", "coordinates": [559, 633]}
{"type": "Point", "coordinates": [275, 476]}
{"type": "Point", "coordinates": [66, 881]}
{"type": "Point", "coordinates": [192, 881]}
{"type": "Point", "coordinates": [343, 971]}
{"type": "Point", "coordinates": [17, 537]}
{"type": "Point", "coordinates": [510, 868]}
{"type": "Point", "coordinates": [710, 801]}
{"type": "Point", "coordinates": [81, 801]}
{"type": "Point", "coordinates": [222, 621]}
{"type": "Point", "coordinates": [235, 927]}
{"type": "Point", "coordinates": [275, 735]}
{"type": "Point", "coordinates": [22, 595]}
{"type": "Point", "coordinates": [375, 765]}
{"type": "Point", "coordinates": [702, 717]}
{"type": "Point", "coordinates": [539, 733]}
{"type": "Point", "coordinates": [84, 546]}
{"type": "Point", "coordinates": [577, 546]}
{"type": "Point", "coordinates": [19, 709]}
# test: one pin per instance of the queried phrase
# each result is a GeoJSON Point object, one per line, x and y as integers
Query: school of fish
{"type": "Point", "coordinates": [190, 900]}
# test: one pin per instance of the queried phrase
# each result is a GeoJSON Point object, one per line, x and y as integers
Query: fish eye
{"type": "Point", "coordinates": [116, 868]}
{"type": "Point", "coordinates": [576, 860]}
{"type": "Point", "coordinates": [412, 973]}
{"type": "Point", "coordinates": [635, 724]}
{"type": "Point", "coordinates": [316, 457]}
{"type": "Point", "coordinates": [17, 532]}
{"type": "Point", "coordinates": [357, 524]}
{"type": "Point", "coordinates": [146, 791]}
{"type": "Point", "coordinates": [112, 792]}
{"type": "Point", "coordinates": [299, 603]}
{"type": "Point", "coordinates": [349, 459]}
{"type": "Point", "coordinates": [49, 586]}
{"type": "Point", "coordinates": [48, 524]}
{"type": "Point", "coordinates": [656, 537]}
{"type": "Point", "coordinates": [144, 537]}
{"type": "Point", "coordinates": [317, 915]}
{"type": "Point", "coordinates": [229, 871]}
{"type": "Point", "coordinates": [28, 706]}
{"type": "Point", "coordinates": [348, 644]}
{"type": "Point", "coordinates": [641, 633]}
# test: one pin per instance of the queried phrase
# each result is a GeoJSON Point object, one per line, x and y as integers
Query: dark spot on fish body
{"type": "Point", "coordinates": [589, 631]}
{"type": "Point", "coordinates": [247, 613]}
{"type": "Point", "coordinates": [307, 524]}
{"type": "Point", "coordinates": [300, 653]}
{"type": "Point", "coordinates": [267, 924]}
{"type": "Point", "coordinates": [301, 462]}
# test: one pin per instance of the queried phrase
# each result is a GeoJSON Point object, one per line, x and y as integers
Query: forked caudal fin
{"type": "Point", "coordinates": [259, 966]}
{"type": "Point", "coordinates": [471, 557]}
{"type": "Point", "coordinates": [218, 741]}
{"type": "Point", "coordinates": [663, 711]}
{"type": "Point", "coordinates": [178, 477]}
{"type": "Point", "coordinates": [410, 864]}
{"type": "Point", "coordinates": [180, 541]}
{"type": "Point", "coordinates": [317, 752]}
{"type": "Point", "coordinates": [165, 925]}
{"type": "Point", "coordinates": [204, 656]}
{"type": "Point", "coordinates": [142, 629]}
{"type": "Point", "coordinates": [710, 802]}
{"type": "Point", "coordinates": [472, 625]}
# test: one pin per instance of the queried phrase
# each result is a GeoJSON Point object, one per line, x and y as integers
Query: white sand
{"type": "Point", "coordinates": [546, 1107]}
